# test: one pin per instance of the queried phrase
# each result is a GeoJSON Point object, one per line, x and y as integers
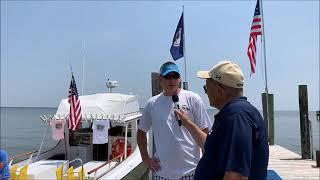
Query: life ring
{"type": "Point", "coordinates": [118, 147]}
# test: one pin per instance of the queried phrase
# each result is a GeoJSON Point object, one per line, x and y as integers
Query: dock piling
{"type": "Point", "coordinates": [155, 82]}
{"type": "Point", "coordinates": [304, 122]}
{"type": "Point", "coordinates": [156, 89]}
{"type": "Point", "coordinates": [269, 122]}
{"type": "Point", "coordinates": [318, 158]}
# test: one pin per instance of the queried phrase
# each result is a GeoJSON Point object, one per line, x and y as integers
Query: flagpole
{"type": "Point", "coordinates": [70, 66]}
{"type": "Point", "coordinates": [185, 84]}
{"type": "Point", "coordinates": [263, 42]}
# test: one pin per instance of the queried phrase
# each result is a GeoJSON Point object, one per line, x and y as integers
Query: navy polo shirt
{"type": "Point", "coordinates": [237, 142]}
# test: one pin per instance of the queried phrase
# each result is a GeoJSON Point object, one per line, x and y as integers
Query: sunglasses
{"type": "Point", "coordinates": [205, 88]}
{"type": "Point", "coordinates": [171, 76]}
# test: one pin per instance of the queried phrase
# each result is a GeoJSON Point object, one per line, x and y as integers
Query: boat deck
{"type": "Point", "coordinates": [92, 165]}
{"type": "Point", "coordinates": [45, 169]}
{"type": "Point", "coordinates": [289, 165]}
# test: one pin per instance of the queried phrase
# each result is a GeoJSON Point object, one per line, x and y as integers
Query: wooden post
{"type": "Point", "coordinates": [264, 111]}
{"type": "Point", "coordinates": [304, 122]}
{"type": "Point", "coordinates": [318, 151]}
{"type": "Point", "coordinates": [155, 81]}
{"type": "Point", "coordinates": [318, 158]}
{"type": "Point", "coordinates": [185, 85]}
{"type": "Point", "coordinates": [269, 122]}
{"type": "Point", "coordinates": [156, 89]}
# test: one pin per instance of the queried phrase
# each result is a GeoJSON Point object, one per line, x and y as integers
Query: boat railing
{"type": "Point", "coordinates": [131, 113]}
{"type": "Point", "coordinates": [116, 159]}
{"type": "Point", "coordinates": [22, 155]}
{"type": "Point", "coordinates": [120, 119]}
{"type": "Point", "coordinates": [67, 163]}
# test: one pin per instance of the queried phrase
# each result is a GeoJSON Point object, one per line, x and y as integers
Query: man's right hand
{"type": "Point", "coordinates": [152, 163]}
{"type": "Point", "coordinates": [183, 116]}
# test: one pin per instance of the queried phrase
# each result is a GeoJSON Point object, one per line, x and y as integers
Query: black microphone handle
{"type": "Point", "coordinates": [179, 121]}
{"type": "Point", "coordinates": [175, 99]}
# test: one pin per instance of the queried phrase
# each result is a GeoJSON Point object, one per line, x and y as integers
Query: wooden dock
{"type": "Point", "coordinates": [289, 165]}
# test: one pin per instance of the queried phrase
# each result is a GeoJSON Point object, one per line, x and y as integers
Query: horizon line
{"type": "Point", "coordinates": [139, 107]}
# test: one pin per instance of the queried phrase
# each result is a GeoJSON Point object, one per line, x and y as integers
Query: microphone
{"type": "Point", "coordinates": [175, 100]}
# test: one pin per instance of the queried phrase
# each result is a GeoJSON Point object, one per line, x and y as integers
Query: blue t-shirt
{"type": "Point", "coordinates": [237, 142]}
{"type": "Point", "coordinates": [5, 170]}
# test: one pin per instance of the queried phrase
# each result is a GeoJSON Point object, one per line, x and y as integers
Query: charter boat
{"type": "Point", "coordinates": [76, 156]}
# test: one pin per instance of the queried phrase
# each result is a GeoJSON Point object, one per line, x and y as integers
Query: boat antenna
{"type": "Point", "coordinates": [70, 66]}
{"type": "Point", "coordinates": [83, 61]}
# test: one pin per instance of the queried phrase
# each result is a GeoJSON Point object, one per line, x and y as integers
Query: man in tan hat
{"type": "Point", "coordinates": [236, 147]}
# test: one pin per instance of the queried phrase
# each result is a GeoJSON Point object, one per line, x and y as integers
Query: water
{"type": "Point", "coordinates": [22, 130]}
{"type": "Point", "coordinates": [287, 129]}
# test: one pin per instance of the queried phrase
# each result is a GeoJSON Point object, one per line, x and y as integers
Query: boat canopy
{"type": "Point", "coordinates": [114, 106]}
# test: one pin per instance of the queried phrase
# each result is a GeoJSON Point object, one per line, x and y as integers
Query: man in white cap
{"type": "Point", "coordinates": [177, 153]}
{"type": "Point", "coordinates": [236, 147]}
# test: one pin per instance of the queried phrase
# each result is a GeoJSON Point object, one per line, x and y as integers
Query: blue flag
{"type": "Point", "coordinates": [176, 49]}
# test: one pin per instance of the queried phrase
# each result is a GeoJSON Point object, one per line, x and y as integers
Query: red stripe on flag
{"type": "Point", "coordinates": [256, 20]}
{"type": "Point", "coordinates": [255, 33]}
{"type": "Point", "coordinates": [256, 27]}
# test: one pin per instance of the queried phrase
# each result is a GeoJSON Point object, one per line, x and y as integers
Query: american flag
{"type": "Point", "coordinates": [256, 29]}
{"type": "Point", "coordinates": [75, 109]}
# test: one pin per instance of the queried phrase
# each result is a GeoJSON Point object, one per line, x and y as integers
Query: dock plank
{"type": "Point", "coordinates": [289, 165]}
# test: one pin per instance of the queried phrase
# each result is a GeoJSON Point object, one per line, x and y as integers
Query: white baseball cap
{"type": "Point", "coordinates": [226, 73]}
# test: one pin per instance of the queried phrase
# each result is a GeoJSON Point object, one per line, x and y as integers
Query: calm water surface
{"type": "Point", "coordinates": [22, 130]}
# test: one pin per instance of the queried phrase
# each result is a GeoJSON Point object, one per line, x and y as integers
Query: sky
{"type": "Point", "coordinates": [127, 40]}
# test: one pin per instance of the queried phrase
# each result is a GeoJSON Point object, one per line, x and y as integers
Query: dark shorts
{"type": "Point", "coordinates": [186, 177]}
